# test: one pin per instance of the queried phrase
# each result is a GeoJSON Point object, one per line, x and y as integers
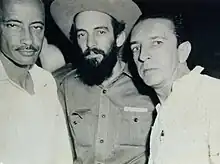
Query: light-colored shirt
{"type": "Point", "coordinates": [110, 124]}
{"type": "Point", "coordinates": [32, 127]}
{"type": "Point", "coordinates": [187, 128]}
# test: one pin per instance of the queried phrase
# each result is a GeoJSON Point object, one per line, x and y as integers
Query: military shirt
{"type": "Point", "coordinates": [110, 125]}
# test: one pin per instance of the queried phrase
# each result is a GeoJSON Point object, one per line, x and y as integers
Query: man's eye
{"type": "Point", "coordinates": [157, 42]}
{"type": "Point", "coordinates": [135, 49]}
{"type": "Point", "coordinates": [101, 32]}
{"type": "Point", "coordinates": [11, 25]}
{"type": "Point", "coordinates": [80, 35]}
{"type": "Point", "coordinates": [38, 27]}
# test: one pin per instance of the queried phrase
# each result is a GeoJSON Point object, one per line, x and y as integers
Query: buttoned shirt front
{"type": "Point", "coordinates": [186, 129]}
{"type": "Point", "coordinates": [32, 127]}
{"type": "Point", "coordinates": [110, 124]}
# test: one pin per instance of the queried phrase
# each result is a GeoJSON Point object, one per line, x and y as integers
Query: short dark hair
{"type": "Point", "coordinates": [118, 27]}
{"type": "Point", "coordinates": [175, 18]}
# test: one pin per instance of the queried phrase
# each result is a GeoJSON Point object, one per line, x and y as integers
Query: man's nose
{"type": "Point", "coordinates": [91, 41]}
{"type": "Point", "coordinates": [144, 55]}
{"type": "Point", "coordinates": [26, 37]}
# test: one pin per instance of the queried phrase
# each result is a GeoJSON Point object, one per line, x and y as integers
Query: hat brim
{"type": "Point", "coordinates": [64, 11]}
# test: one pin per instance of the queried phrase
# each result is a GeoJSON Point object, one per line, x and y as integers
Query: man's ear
{"type": "Point", "coordinates": [184, 50]}
{"type": "Point", "coordinates": [120, 39]}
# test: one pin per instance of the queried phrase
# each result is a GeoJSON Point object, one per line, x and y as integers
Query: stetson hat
{"type": "Point", "coordinates": [64, 11]}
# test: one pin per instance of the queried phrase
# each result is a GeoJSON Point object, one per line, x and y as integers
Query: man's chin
{"type": "Point", "coordinates": [22, 62]}
{"type": "Point", "coordinates": [95, 74]}
{"type": "Point", "coordinates": [95, 68]}
{"type": "Point", "coordinates": [158, 84]}
{"type": "Point", "coordinates": [152, 82]}
{"type": "Point", "coordinates": [95, 60]}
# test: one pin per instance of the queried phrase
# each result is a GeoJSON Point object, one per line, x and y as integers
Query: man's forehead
{"type": "Point", "coordinates": [92, 18]}
{"type": "Point", "coordinates": [153, 27]}
{"type": "Point", "coordinates": [5, 4]}
{"type": "Point", "coordinates": [27, 11]}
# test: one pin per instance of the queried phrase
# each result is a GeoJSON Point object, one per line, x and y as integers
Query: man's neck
{"type": "Point", "coordinates": [19, 75]}
{"type": "Point", "coordinates": [115, 73]}
{"type": "Point", "coordinates": [164, 91]}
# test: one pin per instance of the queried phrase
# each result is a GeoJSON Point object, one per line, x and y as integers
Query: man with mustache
{"type": "Point", "coordinates": [32, 123]}
{"type": "Point", "coordinates": [110, 120]}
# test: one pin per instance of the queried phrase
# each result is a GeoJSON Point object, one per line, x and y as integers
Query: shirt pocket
{"type": "Point", "coordinates": [134, 128]}
{"type": "Point", "coordinates": [82, 126]}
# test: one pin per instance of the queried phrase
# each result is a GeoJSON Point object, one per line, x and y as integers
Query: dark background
{"type": "Point", "coordinates": [202, 19]}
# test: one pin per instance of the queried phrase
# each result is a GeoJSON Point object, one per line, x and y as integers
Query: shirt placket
{"type": "Point", "coordinates": [101, 135]}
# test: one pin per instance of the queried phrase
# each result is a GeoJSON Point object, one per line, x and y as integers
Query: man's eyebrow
{"type": "Point", "coordinates": [133, 42]}
{"type": "Point", "coordinates": [17, 21]}
{"type": "Point", "coordinates": [96, 28]}
{"type": "Point", "coordinates": [11, 20]}
{"type": "Point", "coordinates": [102, 27]}
{"type": "Point", "coordinates": [158, 37]}
{"type": "Point", "coordinates": [38, 22]}
{"type": "Point", "coordinates": [80, 30]}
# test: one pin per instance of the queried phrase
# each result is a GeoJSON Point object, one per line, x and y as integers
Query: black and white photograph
{"type": "Point", "coordinates": [109, 82]}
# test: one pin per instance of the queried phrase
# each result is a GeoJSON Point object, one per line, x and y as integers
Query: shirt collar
{"type": "Point", "coordinates": [3, 74]}
{"type": "Point", "coordinates": [158, 106]}
{"type": "Point", "coordinates": [125, 70]}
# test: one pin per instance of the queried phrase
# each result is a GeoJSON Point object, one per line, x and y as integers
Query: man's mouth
{"type": "Point", "coordinates": [93, 55]}
{"type": "Point", "coordinates": [146, 70]}
{"type": "Point", "coordinates": [27, 52]}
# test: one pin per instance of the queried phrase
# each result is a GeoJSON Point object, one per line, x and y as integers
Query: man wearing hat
{"type": "Point", "coordinates": [109, 119]}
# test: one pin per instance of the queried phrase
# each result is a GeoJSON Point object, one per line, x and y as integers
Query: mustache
{"type": "Point", "coordinates": [95, 50]}
{"type": "Point", "coordinates": [24, 48]}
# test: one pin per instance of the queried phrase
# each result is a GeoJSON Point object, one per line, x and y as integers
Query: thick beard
{"type": "Point", "coordinates": [91, 73]}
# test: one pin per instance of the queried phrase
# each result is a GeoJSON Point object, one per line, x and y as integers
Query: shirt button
{"type": "Point", "coordinates": [103, 116]}
{"type": "Point", "coordinates": [135, 119]}
{"type": "Point", "coordinates": [98, 163]}
{"type": "Point", "coordinates": [101, 141]}
{"type": "Point", "coordinates": [104, 91]}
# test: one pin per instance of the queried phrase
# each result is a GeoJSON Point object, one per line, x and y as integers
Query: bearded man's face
{"type": "Point", "coordinates": [96, 40]}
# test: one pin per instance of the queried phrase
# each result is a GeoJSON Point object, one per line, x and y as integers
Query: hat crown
{"type": "Point", "coordinates": [63, 11]}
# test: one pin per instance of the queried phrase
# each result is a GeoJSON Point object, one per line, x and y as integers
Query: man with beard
{"type": "Point", "coordinates": [109, 119]}
{"type": "Point", "coordinates": [32, 123]}
{"type": "Point", "coordinates": [95, 66]}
